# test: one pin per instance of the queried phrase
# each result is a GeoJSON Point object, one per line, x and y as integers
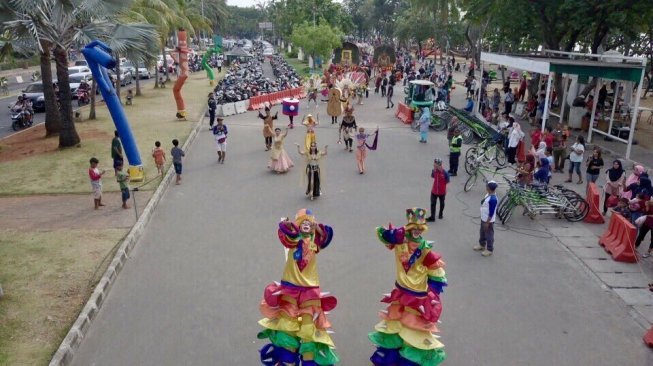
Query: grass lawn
{"type": "Point", "coordinates": [42, 168]}
{"type": "Point", "coordinates": [47, 277]}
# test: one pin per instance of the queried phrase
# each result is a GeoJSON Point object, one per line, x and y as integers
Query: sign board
{"type": "Point", "coordinates": [265, 25]}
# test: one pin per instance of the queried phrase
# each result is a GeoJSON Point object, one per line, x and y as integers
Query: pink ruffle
{"type": "Point", "coordinates": [273, 304]}
{"type": "Point", "coordinates": [426, 309]}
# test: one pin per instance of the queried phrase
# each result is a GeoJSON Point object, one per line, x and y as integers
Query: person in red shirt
{"type": "Point", "coordinates": [548, 137]}
{"type": "Point", "coordinates": [645, 227]}
{"type": "Point", "coordinates": [439, 190]}
{"type": "Point", "coordinates": [536, 137]}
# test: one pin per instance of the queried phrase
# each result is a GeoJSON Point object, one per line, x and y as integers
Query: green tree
{"type": "Point", "coordinates": [319, 40]}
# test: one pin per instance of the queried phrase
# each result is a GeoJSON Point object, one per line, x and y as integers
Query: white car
{"type": "Point", "coordinates": [125, 76]}
{"type": "Point", "coordinates": [75, 79]}
{"type": "Point", "coordinates": [143, 72]}
{"type": "Point", "coordinates": [78, 69]}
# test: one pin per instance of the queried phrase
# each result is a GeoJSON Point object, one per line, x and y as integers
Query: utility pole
{"type": "Point", "coordinates": [202, 33]}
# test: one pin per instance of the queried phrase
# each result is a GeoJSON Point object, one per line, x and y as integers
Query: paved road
{"type": "Point", "coordinates": [190, 293]}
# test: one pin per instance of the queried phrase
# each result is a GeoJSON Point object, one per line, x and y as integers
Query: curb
{"type": "Point", "coordinates": [64, 354]}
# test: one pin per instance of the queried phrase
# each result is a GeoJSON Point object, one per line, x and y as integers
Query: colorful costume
{"type": "Point", "coordinates": [313, 175]}
{"type": "Point", "coordinates": [310, 124]}
{"type": "Point", "coordinates": [268, 127]}
{"type": "Point", "coordinates": [279, 159]}
{"type": "Point", "coordinates": [295, 309]}
{"type": "Point", "coordinates": [362, 146]}
{"type": "Point", "coordinates": [405, 334]}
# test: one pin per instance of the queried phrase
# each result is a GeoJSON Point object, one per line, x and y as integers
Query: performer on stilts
{"type": "Point", "coordinates": [295, 309]}
{"type": "Point", "coordinates": [313, 171]}
{"type": "Point", "coordinates": [405, 335]}
{"type": "Point", "coordinates": [268, 126]}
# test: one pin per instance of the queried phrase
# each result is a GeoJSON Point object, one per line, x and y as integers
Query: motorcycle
{"type": "Point", "coordinates": [83, 97]}
{"type": "Point", "coordinates": [21, 119]}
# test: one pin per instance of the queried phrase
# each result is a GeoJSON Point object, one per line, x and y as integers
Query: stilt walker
{"type": "Point", "coordinates": [405, 335]}
{"type": "Point", "coordinates": [181, 57]}
{"type": "Point", "coordinates": [295, 309]}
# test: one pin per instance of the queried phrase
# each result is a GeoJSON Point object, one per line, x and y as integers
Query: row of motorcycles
{"type": "Point", "coordinates": [245, 80]}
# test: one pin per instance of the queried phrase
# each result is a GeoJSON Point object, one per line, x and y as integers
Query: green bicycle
{"type": "Point", "coordinates": [485, 172]}
{"type": "Point", "coordinates": [486, 152]}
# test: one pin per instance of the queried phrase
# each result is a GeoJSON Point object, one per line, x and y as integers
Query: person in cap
{"type": "Point", "coordinates": [439, 189]}
{"type": "Point", "coordinates": [488, 214]}
{"type": "Point", "coordinates": [454, 152]}
{"type": "Point", "coordinates": [406, 333]}
{"type": "Point", "coordinates": [220, 134]}
{"type": "Point", "coordinates": [295, 310]}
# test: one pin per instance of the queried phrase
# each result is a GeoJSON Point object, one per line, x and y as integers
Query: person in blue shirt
{"type": "Point", "coordinates": [488, 214]}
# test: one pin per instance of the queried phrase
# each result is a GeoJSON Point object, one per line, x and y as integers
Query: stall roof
{"type": "Point", "coordinates": [544, 65]}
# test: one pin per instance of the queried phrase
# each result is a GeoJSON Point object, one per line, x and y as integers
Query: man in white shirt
{"type": "Point", "coordinates": [488, 214]}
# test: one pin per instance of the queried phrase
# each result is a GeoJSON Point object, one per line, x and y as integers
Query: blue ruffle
{"type": "Point", "coordinates": [437, 286]}
{"type": "Point", "coordinates": [272, 356]}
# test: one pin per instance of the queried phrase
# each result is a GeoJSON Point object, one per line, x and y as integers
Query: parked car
{"type": "Point", "coordinates": [143, 72]}
{"type": "Point", "coordinates": [81, 63]}
{"type": "Point", "coordinates": [75, 79]}
{"type": "Point", "coordinates": [125, 77]}
{"type": "Point", "coordinates": [78, 69]}
{"type": "Point", "coordinates": [34, 91]}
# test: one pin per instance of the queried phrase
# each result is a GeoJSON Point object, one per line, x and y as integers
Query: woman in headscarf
{"type": "Point", "coordinates": [514, 137]}
{"type": "Point", "coordinates": [540, 153]}
{"type": "Point", "coordinates": [615, 178]}
{"type": "Point", "coordinates": [541, 176]}
{"type": "Point", "coordinates": [424, 123]}
{"type": "Point", "coordinates": [642, 185]}
{"type": "Point", "coordinates": [638, 170]}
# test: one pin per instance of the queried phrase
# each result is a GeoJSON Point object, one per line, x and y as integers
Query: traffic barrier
{"type": "Point", "coordinates": [258, 102]}
{"type": "Point", "coordinates": [593, 199]}
{"type": "Point", "coordinates": [276, 98]}
{"type": "Point", "coordinates": [241, 107]}
{"type": "Point", "coordinates": [619, 239]}
{"type": "Point", "coordinates": [648, 338]}
{"type": "Point", "coordinates": [228, 109]}
{"type": "Point", "coordinates": [287, 94]}
{"type": "Point", "coordinates": [404, 113]}
{"type": "Point", "coordinates": [218, 110]}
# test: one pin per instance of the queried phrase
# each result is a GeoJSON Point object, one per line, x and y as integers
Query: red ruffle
{"type": "Point", "coordinates": [273, 303]}
{"type": "Point", "coordinates": [425, 311]}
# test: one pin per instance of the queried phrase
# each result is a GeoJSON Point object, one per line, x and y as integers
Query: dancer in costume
{"type": "Point", "coordinates": [313, 172]}
{"type": "Point", "coordinates": [362, 146]}
{"type": "Point", "coordinates": [279, 159]}
{"type": "Point", "coordinates": [405, 335]}
{"type": "Point", "coordinates": [268, 126]}
{"type": "Point", "coordinates": [334, 105]}
{"type": "Point", "coordinates": [348, 129]}
{"type": "Point", "coordinates": [295, 310]}
{"type": "Point", "coordinates": [310, 124]}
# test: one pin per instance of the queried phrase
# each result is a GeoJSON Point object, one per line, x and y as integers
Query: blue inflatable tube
{"type": "Point", "coordinates": [98, 56]}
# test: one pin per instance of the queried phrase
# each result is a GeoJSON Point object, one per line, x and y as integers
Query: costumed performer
{"type": "Point", "coordinates": [313, 172]}
{"type": "Point", "coordinates": [362, 146]}
{"type": "Point", "coordinates": [334, 104]}
{"type": "Point", "coordinates": [405, 335]}
{"type": "Point", "coordinates": [268, 126]}
{"type": "Point", "coordinates": [348, 128]}
{"type": "Point", "coordinates": [280, 162]}
{"type": "Point", "coordinates": [295, 309]}
{"type": "Point", "coordinates": [310, 124]}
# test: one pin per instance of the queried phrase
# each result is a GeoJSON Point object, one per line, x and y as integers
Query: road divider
{"type": "Point", "coordinates": [619, 239]}
{"type": "Point", "coordinates": [593, 199]}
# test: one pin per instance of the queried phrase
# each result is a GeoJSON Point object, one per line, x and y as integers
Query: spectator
{"type": "Point", "coordinates": [536, 137]}
{"type": "Point", "coordinates": [123, 181]}
{"type": "Point", "coordinates": [488, 214]}
{"type": "Point", "coordinates": [454, 152]}
{"type": "Point", "coordinates": [614, 181]}
{"type": "Point", "coordinates": [594, 165]}
{"type": "Point", "coordinates": [547, 137]}
{"type": "Point", "coordinates": [622, 208]}
{"type": "Point", "coordinates": [644, 228]}
{"type": "Point", "coordinates": [439, 189]}
{"type": "Point", "coordinates": [642, 186]}
{"type": "Point", "coordinates": [508, 100]}
{"type": "Point", "coordinates": [177, 154]}
{"type": "Point", "coordinates": [514, 137]}
{"type": "Point", "coordinates": [496, 100]}
{"type": "Point", "coordinates": [212, 104]}
{"type": "Point", "coordinates": [576, 158]}
{"type": "Point", "coordinates": [116, 152]}
{"type": "Point", "coordinates": [95, 174]}
{"type": "Point", "coordinates": [638, 170]}
{"type": "Point", "coordinates": [159, 156]}
{"type": "Point", "coordinates": [525, 171]}
{"type": "Point", "coordinates": [559, 149]}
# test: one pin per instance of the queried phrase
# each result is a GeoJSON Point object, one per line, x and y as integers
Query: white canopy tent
{"type": "Point", "coordinates": [607, 66]}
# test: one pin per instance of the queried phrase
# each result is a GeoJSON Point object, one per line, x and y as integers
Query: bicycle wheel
{"type": "Point", "coordinates": [470, 182]}
{"type": "Point", "coordinates": [468, 135]}
{"type": "Point", "coordinates": [577, 210]}
{"type": "Point", "coordinates": [438, 124]}
{"type": "Point", "coordinates": [501, 207]}
{"type": "Point", "coordinates": [500, 156]}
{"type": "Point", "coordinates": [508, 212]}
{"type": "Point", "coordinates": [470, 160]}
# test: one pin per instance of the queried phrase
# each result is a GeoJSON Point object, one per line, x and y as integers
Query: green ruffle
{"type": "Point", "coordinates": [379, 234]}
{"type": "Point", "coordinates": [386, 340]}
{"type": "Point", "coordinates": [438, 279]}
{"type": "Point", "coordinates": [423, 357]}
{"type": "Point", "coordinates": [323, 355]}
{"type": "Point", "coordinates": [280, 339]}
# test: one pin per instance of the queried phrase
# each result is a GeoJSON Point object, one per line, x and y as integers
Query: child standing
{"type": "Point", "coordinates": [123, 180]}
{"type": "Point", "coordinates": [177, 154]}
{"type": "Point", "coordinates": [95, 174]}
{"type": "Point", "coordinates": [159, 157]}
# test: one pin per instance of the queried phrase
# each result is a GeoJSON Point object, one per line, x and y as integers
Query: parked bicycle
{"type": "Point", "coordinates": [486, 152]}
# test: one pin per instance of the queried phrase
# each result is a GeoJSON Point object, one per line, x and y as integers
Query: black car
{"type": "Point", "coordinates": [34, 91]}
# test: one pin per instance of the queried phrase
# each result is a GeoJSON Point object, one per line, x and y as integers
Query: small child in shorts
{"type": "Point", "coordinates": [123, 180]}
{"type": "Point", "coordinates": [177, 154]}
{"type": "Point", "coordinates": [95, 174]}
{"type": "Point", "coordinates": [159, 156]}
